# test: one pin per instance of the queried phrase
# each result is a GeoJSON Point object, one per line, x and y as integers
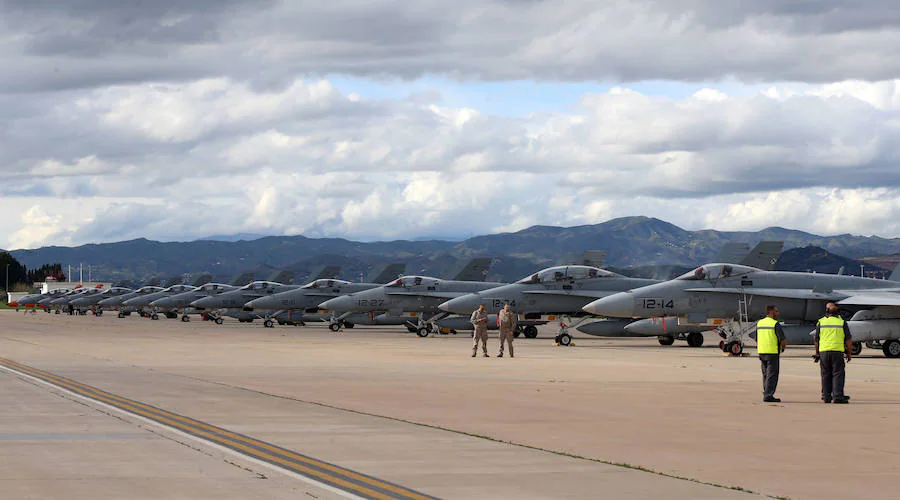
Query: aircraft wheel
{"type": "Point", "coordinates": [154, 316]}
{"type": "Point", "coordinates": [891, 349]}
{"type": "Point", "coordinates": [219, 321]}
{"type": "Point", "coordinates": [564, 339]}
{"type": "Point", "coordinates": [422, 332]}
{"type": "Point", "coordinates": [185, 318]}
{"type": "Point", "coordinates": [695, 339]}
{"type": "Point", "coordinates": [334, 327]}
{"type": "Point", "coordinates": [856, 348]}
{"type": "Point", "coordinates": [530, 332]}
{"type": "Point", "coordinates": [453, 332]}
{"type": "Point", "coordinates": [99, 313]}
{"type": "Point", "coordinates": [736, 348]}
{"type": "Point", "coordinates": [121, 315]}
{"type": "Point", "coordinates": [666, 340]}
{"type": "Point", "coordinates": [269, 323]}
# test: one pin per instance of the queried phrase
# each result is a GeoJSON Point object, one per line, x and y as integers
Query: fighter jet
{"type": "Point", "coordinates": [142, 302]}
{"type": "Point", "coordinates": [732, 297]}
{"type": "Point", "coordinates": [298, 303]}
{"type": "Point", "coordinates": [420, 294]}
{"type": "Point", "coordinates": [91, 301]}
{"type": "Point", "coordinates": [116, 302]}
{"type": "Point", "coordinates": [763, 256]}
{"type": "Point", "coordinates": [555, 291]}
{"type": "Point", "coordinates": [182, 301]}
{"type": "Point", "coordinates": [33, 300]}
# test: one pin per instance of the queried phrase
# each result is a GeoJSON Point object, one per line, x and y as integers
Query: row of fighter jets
{"type": "Point", "coordinates": [726, 297]}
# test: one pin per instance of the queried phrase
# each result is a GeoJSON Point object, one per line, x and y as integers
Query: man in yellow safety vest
{"type": "Point", "coordinates": [833, 345]}
{"type": "Point", "coordinates": [769, 344]}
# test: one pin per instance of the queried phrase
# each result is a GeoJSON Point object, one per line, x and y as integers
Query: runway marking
{"type": "Point", "coordinates": [329, 474]}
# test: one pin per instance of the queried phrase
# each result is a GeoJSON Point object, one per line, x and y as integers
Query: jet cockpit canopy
{"type": "Point", "coordinates": [716, 271]}
{"type": "Point", "coordinates": [567, 273]}
{"type": "Point", "coordinates": [411, 281]}
{"type": "Point", "coordinates": [325, 283]}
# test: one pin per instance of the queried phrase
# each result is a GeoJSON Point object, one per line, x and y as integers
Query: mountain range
{"type": "Point", "coordinates": [630, 242]}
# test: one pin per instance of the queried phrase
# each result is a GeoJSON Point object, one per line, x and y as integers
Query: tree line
{"type": "Point", "coordinates": [20, 277]}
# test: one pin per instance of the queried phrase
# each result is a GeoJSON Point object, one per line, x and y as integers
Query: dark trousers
{"type": "Point", "coordinates": [770, 367]}
{"type": "Point", "coordinates": [832, 366]}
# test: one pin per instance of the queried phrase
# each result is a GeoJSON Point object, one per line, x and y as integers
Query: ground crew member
{"type": "Point", "coordinates": [506, 320]}
{"type": "Point", "coordinates": [833, 344]}
{"type": "Point", "coordinates": [479, 320]}
{"type": "Point", "coordinates": [769, 344]}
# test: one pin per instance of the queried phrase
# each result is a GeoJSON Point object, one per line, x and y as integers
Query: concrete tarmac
{"type": "Point", "coordinates": [423, 414]}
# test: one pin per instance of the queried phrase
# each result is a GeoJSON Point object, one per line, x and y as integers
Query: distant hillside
{"type": "Point", "coordinates": [816, 259]}
{"type": "Point", "coordinates": [629, 242]}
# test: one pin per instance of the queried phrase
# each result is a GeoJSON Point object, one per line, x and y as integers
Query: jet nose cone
{"type": "Point", "coordinates": [163, 302]}
{"type": "Point", "coordinates": [261, 303]}
{"type": "Point", "coordinates": [619, 305]}
{"type": "Point", "coordinates": [203, 303]}
{"type": "Point", "coordinates": [338, 304]}
{"type": "Point", "coordinates": [461, 305]}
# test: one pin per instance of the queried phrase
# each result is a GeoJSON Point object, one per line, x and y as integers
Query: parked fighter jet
{"type": "Point", "coordinates": [142, 302]}
{"type": "Point", "coordinates": [764, 255]}
{"type": "Point", "coordinates": [307, 298]}
{"type": "Point", "coordinates": [34, 300]}
{"type": "Point", "coordinates": [90, 301]}
{"type": "Point", "coordinates": [115, 303]}
{"type": "Point", "coordinates": [561, 290]}
{"type": "Point", "coordinates": [182, 301]}
{"type": "Point", "coordinates": [410, 293]}
{"type": "Point", "coordinates": [731, 297]}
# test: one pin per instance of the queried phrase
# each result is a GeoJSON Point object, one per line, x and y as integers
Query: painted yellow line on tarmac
{"type": "Point", "coordinates": [333, 475]}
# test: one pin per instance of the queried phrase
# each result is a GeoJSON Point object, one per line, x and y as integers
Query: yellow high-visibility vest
{"type": "Point", "coordinates": [766, 340]}
{"type": "Point", "coordinates": [831, 334]}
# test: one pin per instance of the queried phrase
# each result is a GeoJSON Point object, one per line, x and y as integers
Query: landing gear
{"type": "Point", "coordinates": [334, 327]}
{"type": "Point", "coordinates": [891, 349]}
{"type": "Point", "coordinates": [564, 339]}
{"type": "Point", "coordinates": [219, 321]}
{"type": "Point", "coordinates": [734, 348]}
{"type": "Point", "coordinates": [422, 332]}
{"type": "Point", "coordinates": [185, 318]}
{"type": "Point", "coordinates": [666, 340]}
{"type": "Point", "coordinates": [856, 348]}
{"type": "Point", "coordinates": [154, 316]}
{"type": "Point", "coordinates": [695, 339]}
{"type": "Point", "coordinates": [530, 331]}
{"type": "Point", "coordinates": [269, 323]}
{"type": "Point", "coordinates": [121, 315]}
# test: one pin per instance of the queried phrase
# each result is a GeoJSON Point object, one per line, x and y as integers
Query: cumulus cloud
{"type": "Point", "coordinates": [61, 45]}
{"type": "Point", "coordinates": [178, 120]}
{"type": "Point", "coordinates": [214, 157]}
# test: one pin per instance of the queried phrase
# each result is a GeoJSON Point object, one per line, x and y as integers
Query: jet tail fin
{"type": "Point", "coordinates": [285, 277]}
{"type": "Point", "coordinates": [328, 272]}
{"type": "Point", "coordinates": [202, 279]}
{"type": "Point", "coordinates": [592, 258]}
{"type": "Point", "coordinates": [243, 278]}
{"type": "Point", "coordinates": [895, 276]}
{"type": "Point", "coordinates": [732, 252]}
{"type": "Point", "coordinates": [475, 270]}
{"type": "Point", "coordinates": [389, 273]}
{"type": "Point", "coordinates": [764, 255]}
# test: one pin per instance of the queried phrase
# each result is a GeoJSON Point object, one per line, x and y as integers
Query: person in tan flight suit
{"type": "Point", "coordinates": [479, 320]}
{"type": "Point", "coordinates": [506, 320]}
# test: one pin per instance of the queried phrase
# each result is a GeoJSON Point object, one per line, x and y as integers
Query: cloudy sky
{"type": "Point", "coordinates": [375, 119]}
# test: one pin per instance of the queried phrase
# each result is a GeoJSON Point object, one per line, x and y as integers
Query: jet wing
{"type": "Point", "coordinates": [593, 294]}
{"type": "Point", "coordinates": [871, 298]}
{"type": "Point", "coordinates": [782, 293]}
